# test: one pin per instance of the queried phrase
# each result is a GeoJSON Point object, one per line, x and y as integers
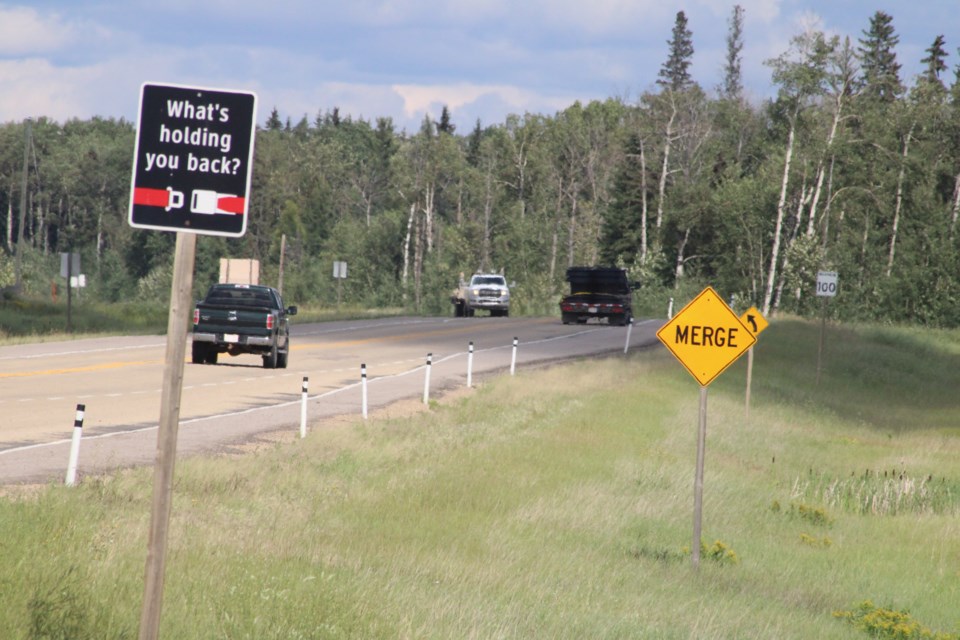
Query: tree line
{"type": "Point", "coordinates": [848, 168]}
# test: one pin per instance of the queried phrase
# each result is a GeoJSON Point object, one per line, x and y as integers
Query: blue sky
{"type": "Point", "coordinates": [403, 59]}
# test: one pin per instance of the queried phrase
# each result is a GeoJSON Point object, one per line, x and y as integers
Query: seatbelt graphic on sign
{"type": "Point", "coordinates": [166, 198]}
{"type": "Point", "coordinates": [202, 201]}
{"type": "Point", "coordinates": [206, 201]}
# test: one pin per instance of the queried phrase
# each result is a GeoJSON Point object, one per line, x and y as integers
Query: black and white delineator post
{"type": "Point", "coordinates": [470, 365]}
{"type": "Point", "coordinates": [626, 345]}
{"type": "Point", "coordinates": [303, 407]}
{"type": "Point", "coordinates": [75, 446]}
{"type": "Point", "coordinates": [513, 357]}
{"type": "Point", "coordinates": [363, 389]}
{"type": "Point", "coordinates": [426, 379]}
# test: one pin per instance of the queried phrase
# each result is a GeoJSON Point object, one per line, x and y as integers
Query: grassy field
{"type": "Point", "coordinates": [557, 503]}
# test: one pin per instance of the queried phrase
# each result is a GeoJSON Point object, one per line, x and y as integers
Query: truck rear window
{"type": "Point", "coordinates": [240, 297]}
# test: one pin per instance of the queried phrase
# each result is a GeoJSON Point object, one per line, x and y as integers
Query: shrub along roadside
{"type": "Point", "coordinates": [33, 320]}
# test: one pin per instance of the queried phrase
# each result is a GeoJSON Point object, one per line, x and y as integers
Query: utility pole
{"type": "Point", "coordinates": [23, 204]}
{"type": "Point", "coordinates": [283, 250]}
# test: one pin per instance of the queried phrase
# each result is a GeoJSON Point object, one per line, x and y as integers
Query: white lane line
{"type": "Point", "coordinates": [297, 401]}
{"type": "Point", "coordinates": [60, 354]}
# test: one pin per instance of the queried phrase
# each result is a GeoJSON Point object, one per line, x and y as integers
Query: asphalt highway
{"type": "Point", "coordinates": [118, 381]}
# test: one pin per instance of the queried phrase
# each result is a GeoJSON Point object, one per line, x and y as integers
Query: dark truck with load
{"type": "Point", "coordinates": [242, 318]}
{"type": "Point", "coordinates": [597, 292]}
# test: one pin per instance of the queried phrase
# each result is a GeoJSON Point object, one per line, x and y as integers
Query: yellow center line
{"type": "Point", "coordinates": [294, 347]}
{"type": "Point", "coordinates": [92, 367]}
{"type": "Point", "coordinates": [395, 338]}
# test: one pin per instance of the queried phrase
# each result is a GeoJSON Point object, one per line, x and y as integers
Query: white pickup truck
{"type": "Point", "coordinates": [487, 291]}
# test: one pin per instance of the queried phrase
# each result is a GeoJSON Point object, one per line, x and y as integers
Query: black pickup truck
{"type": "Point", "coordinates": [242, 318]}
{"type": "Point", "coordinates": [597, 292]}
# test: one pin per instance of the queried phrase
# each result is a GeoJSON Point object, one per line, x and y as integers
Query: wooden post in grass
{"type": "Point", "coordinates": [177, 325]}
{"type": "Point", "coordinates": [823, 331]}
{"type": "Point", "coordinates": [826, 288]}
{"type": "Point", "coordinates": [698, 481]}
{"type": "Point", "coordinates": [705, 360]}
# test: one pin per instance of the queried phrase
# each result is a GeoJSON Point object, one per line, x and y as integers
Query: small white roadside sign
{"type": "Point", "coordinates": [827, 283]}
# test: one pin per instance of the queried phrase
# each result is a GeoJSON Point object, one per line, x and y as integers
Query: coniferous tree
{"type": "Point", "coordinates": [624, 230]}
{"type": "Point", "coordinates": [273, 122]}
{"type": "Point", "coordinates": [935, 63]}
{"type": "Point", "coordinates": [473, 145]}
{"type": "Point", "coordinates": [955, 87]}
{"type": "Point", "coordinates": [732, 88]}
{"type": "Point", "coordinates": [675, 72]}
{"type": "Point", "coordinates": [445, 126]}
{"type": "Point", "coordinates": [881, 71]}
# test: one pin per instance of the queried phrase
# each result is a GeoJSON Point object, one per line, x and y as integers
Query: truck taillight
{"type": "Point", "coordinates": [196, 316]}
{"type": "Point", "coordinates": [270, 321]}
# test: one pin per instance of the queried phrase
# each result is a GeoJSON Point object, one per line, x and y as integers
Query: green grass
{"type": "Point", "coordinates": [25, 319]}
{"type": "Point", "coordinates": [32, 320]}
{"type": "Point", "coordinates": [554, 504]}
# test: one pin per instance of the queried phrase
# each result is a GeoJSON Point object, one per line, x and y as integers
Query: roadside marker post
{"type": "Point", "coordinates": [706, 336]}
{"type": "Point", "coordinates": [75, 445]}
{"type": "Point", "coordinates": [363, 389]}
{"type": "Point", "coordinates": [426, 380]}
{"type": "Point", "coordinates": [470, 365]}
{"type": "Point", "coordinates": [626, 344]}
{"type": "Point", "coordinates": [755, 323]}
{"type": "Point", "coordinates": [826, 288]}
{"type": "Point", "coordinates": [193, 159]}
{"type": "Point", "coordinates": [513, 357]}
{"type": "Point", "coordinates": [303, 407]}
{"type": "Point", "coordinates": [181, 302]}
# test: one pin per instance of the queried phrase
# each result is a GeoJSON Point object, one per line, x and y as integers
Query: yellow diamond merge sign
{"type": "Point", "coordinates": [706, 336]}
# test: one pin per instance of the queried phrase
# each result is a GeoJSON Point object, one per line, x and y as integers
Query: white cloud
{"type": "Point", "coordinates": [401, 59]}
{"type": "Point", "coordinates": [24, 31]}
{"type": "Point", "coordinates": [35, 87]}
{"type": "Point", "coordinates": [420, 99]}
{"type": "Point", "coordinates": [408, 104]}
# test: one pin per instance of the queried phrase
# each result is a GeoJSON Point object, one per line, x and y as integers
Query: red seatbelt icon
{"type": "Point", "coordinates": [166, 198]}
{"type": "Point", "coordinates": [202, 201]}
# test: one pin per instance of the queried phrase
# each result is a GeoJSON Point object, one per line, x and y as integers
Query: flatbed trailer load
{"type": "Point", "coordinates": [600, 293]}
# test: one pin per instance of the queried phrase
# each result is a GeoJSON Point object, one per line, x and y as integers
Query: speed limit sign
{"type": "Point", "coordinates": [827, 283]}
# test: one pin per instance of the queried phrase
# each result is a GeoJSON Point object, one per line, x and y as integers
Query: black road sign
{"type": "Point", "coordinates": [193, 158]}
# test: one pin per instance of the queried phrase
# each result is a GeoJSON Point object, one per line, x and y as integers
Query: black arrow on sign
{"type": "Point", "coordinates": [753, 323]}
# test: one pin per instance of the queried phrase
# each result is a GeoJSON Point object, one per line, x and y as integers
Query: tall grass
{"type": "Point", "coordinates": [554, 504]}
{"type": "Point", "coordinates": [24, 319]}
